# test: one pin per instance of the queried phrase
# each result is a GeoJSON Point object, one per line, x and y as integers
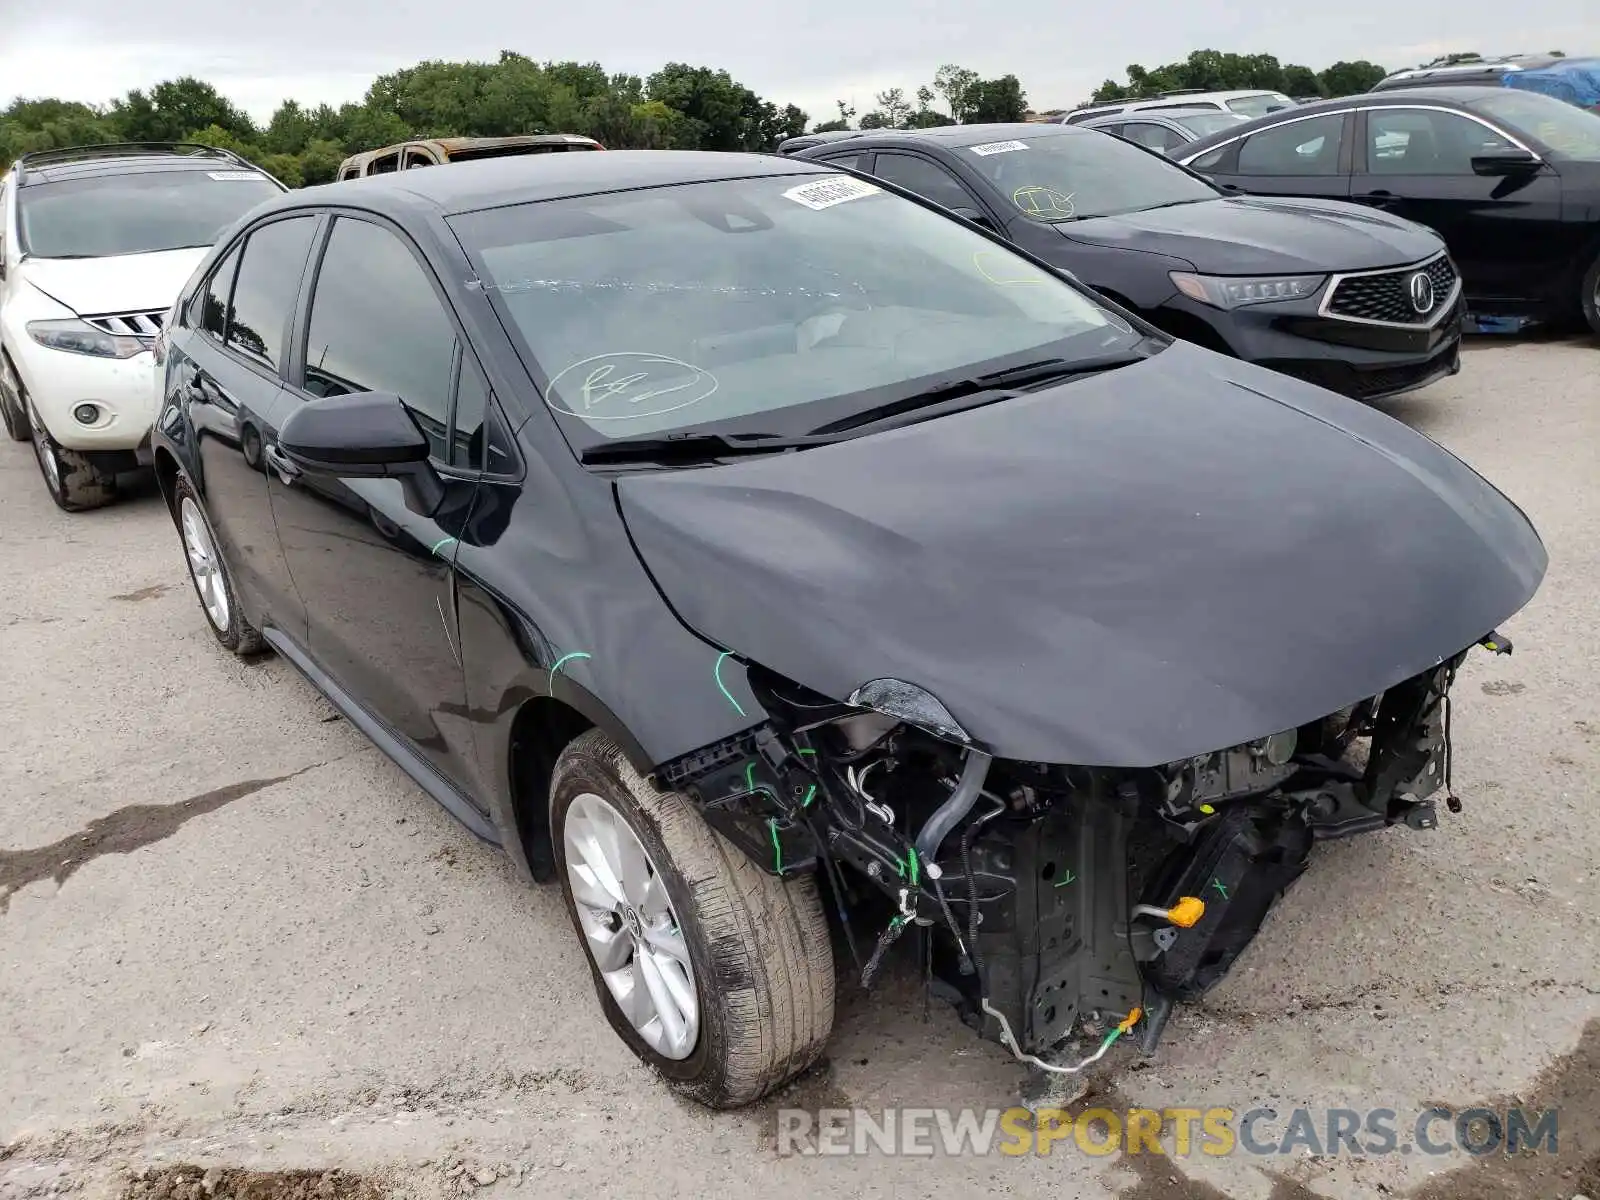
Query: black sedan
{"type": "Point", "coordinates": [1360, 302]}
{"type": "Point", "coordinates": [1510, 179]}
{"type": "Point", "coordinates": [1163, 130]}
{"type": "Point", "coordinates": [720, 533]}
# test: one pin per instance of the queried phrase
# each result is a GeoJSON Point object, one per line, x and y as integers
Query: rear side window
{"type": "Point", "coordinates": [1297, 148]}
{"type": "Point", "coordinates": [378, 326]}
{"type": "Point", "coordinates": [388, 164]}
{"type": "Point", "coordinates": [268, 283]}
{"type": "Point", "coordinates": [209, 313]}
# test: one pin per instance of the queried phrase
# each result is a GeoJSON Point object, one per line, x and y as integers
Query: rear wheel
{"type": "Point", "coordinates": [209, 573]}
{"type": "Point", "coordinates": [715, 973]}
{"type": "Point", "coordinates": [74, 483]}
{"type": "Point", "coordinates": [1590, 296]}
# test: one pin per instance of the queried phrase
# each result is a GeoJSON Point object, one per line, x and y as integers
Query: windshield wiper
{"type": "Point", "coordinates": [959, 394]}
{"type": "Point", "coordinates": [690, 446]}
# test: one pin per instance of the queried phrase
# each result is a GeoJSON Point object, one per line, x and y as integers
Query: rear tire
{"type": "Point", "coordinates": [1589, 297]}
{"type": "Point", "coordinates": [74, 483]}
{"type": "Point", "coordinates": [761, 962]}
{"type": "Point", "coordinates": [208, 571]}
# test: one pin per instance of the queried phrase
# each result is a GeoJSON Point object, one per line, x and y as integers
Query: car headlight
{"type": "Point", "coordinates": [79, 337]}
{"type": "Point", "coordinates": [1235, 291]}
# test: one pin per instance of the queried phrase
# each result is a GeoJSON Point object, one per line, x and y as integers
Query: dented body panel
{"type": "Point", "coordinates": [1123, 571]}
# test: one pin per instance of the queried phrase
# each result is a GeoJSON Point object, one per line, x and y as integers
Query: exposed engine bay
{"type": "Point", "coordinates": [1058, 899]}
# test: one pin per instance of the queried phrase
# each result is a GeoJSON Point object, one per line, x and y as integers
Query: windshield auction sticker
{"type": "Point", "coordinates": [236, 176]}
{"type": "Point", "coordinates": [989, 148]}
{"type": "Point", "coordinates": [835, 189]}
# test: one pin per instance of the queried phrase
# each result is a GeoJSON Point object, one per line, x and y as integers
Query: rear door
{"type": "Point", "coordinates": [1303, 156]}
{"type": "Point", "coordinates": [1504, 232]}
{"type": "Point", "coordinates": [228, 370]}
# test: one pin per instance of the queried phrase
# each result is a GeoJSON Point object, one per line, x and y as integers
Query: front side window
{"type": "Point", "coordinates": [1567, 129]}
{"type": "Point", "coordinates": [772, 304]}
{"type": "Point", "coordinates": [1157, 137]}
{"type": "Point", "coordinates": [1309, 147]}
{"type": "Point", "coordinates": [138, 213]}
{"type": "Point", "coordinates": [386, 164]}
{"type": "Point", "coordinates": [1073, 176]}
{"type": "Point", "coordinates": [1418, 141]}
{"type": "Point", "coordinates": [378, 326]}
{"type": "Point", "coordinates": [268, 284]}
{"type": "Point", "coordinates": [927, 179]}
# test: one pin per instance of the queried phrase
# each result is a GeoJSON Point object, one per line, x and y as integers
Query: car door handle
{"type": "Point", "coordinates": [1379, 198]}
{"type": "Point", "coordinates": [286, 470]}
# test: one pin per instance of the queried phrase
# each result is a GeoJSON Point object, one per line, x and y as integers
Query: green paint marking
{"type": "Point", "coordinates": [777, 846]}
{"type": "Point", "coordinates": [716, 673]}
{"type": "Point", "coordinates": [916, 869]}
{"type": "Point", "coordinates": [439, 543]}
{"type": "Point", "coordinates": [750, 776]}
{"type": "Point", "coordinates": [813, 753]}
{"type": "Point", "coordinates": [810, 796]}
{"type": "Point", "coordinates": [1217, 883]}
{"type": "Point", "coordinates": [1070, 878]}
{"type": "Point", "coordinates": [561, 662]}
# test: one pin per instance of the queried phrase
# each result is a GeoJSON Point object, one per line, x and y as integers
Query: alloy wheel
{"type": "Point", "coordinates": [205, 566]}
{"type": "Point", "coordinates": [630, 928]}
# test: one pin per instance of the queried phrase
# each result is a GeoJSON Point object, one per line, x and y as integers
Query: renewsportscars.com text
{"type": "Point", "coordinates": [1180, 1132]}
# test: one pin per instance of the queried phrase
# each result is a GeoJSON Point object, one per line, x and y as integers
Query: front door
{"type": "Point", "coordinates": [1304, 156]}
{"type": "Point", "coordinates": [1504, 232]}
{"type": "Point", "coordinates": [377, 577]}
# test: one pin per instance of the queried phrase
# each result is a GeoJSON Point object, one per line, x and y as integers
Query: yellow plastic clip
{"type": "Point", "coordinates": [1187, 911]}
{"type": "Point", "coordinates": [1129, 1021]}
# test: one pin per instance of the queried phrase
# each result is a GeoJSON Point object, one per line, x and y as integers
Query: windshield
{"type": "Point", "coordinates": [1066, 176]}
{"type": "Point", "coordinates": [1260, 106]}
{"type": "Point", "coordinates": [139, 213]}
{"type": "Point", "coordinates": [1203, 124]}
{"type": "Point", "coordinates": [762, 305]}
{"type": "Point", "coordinates": [1569, 131]}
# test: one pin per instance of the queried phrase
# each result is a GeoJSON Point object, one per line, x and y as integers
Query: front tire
{"type": "Point", "coordinates": [213, 586]}
{"type": "Point", "coordinates": [12, 411]}
{"type": "Point", "coordinates": [74, 483]}
{"type": "Point", "coordinates": [716, 974]}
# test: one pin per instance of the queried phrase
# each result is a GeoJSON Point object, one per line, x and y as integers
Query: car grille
{"type": "Point", "coordinates": [135, 324]}
{"type": "Point", "coordinates": [1386, 297]}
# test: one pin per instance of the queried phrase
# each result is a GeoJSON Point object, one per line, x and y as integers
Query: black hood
{"type": "Point", "coordinates": [1263, 236]}
{"type": "Point", "coordinates": [1153, 563]}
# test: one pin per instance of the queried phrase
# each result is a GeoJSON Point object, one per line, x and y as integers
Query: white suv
{"type": "Point", "coordinates": [95, 244]}
{"type": "Point", "coordinates": [1253, 103]}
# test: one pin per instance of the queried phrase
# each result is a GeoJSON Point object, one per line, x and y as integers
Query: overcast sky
{"type": "Point", "coordinates": [259, 52]}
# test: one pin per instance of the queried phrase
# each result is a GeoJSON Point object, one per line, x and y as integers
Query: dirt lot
{"type": "Point", "coordinates": [242, 956]}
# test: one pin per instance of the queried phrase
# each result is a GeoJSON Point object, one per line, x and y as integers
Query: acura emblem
{"type": "Point", "coordinates": [1421, 292]}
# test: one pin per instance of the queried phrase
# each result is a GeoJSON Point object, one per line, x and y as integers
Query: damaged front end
{"type": "Point", "coordinates": [1056, 898]}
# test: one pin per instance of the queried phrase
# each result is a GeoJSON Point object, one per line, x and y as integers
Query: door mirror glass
{"type": "Point", "coordinates": [1505, 162]}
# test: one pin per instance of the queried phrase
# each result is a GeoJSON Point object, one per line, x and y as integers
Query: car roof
{"type": "Point", "coordinates": [1156, 114]}
{"type": "Point", "coordinates": [965, 135]}
{"type": "Point", "coordinates": [497, 182]}
{"type": "Point", "coordinates": [131, 164]}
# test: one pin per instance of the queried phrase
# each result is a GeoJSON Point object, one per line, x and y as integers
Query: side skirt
{"type": "Point", "coordinates": [408, 760]}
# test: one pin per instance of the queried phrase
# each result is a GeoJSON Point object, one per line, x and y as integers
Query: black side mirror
{"type": "Point", "coordinates": [364, 435]}
{"type": "Point", "coordinates": [976, 217]}
{"type": "Point", "coordinates": [1506, 162]}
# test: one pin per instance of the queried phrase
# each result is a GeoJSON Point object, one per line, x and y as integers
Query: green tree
{"type": "Point", "coordinates": [875, 120]}
{"type": "Point", "coordinates": [894, 106]}
{"type": "Point", "coordinates": [1301, 81]}
{"type": "Point", "coordinates": [830, 126]}
{"type": "Point", "coordinates": [285, 168]}
{"type": "Point", "coordinates": [175, 107]}
{"type": "Point", "coordinates": [730, 115]}
{"type": "Point", "coordinates": [955, 85]}
{"type": "Point", "coordinates": [319, 162]}
{"type": "Point", "coordinates": [996, 100]}
{"type": "Point", "coordinates": [290, 129]}
{"type": "Point", "coordinates": [1348, 78]}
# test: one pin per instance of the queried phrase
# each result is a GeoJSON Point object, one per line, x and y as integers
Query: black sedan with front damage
{"type": "Point", "coordinates": [1362, 302]}
{"type": "Point", "coordinates": [791, 570]}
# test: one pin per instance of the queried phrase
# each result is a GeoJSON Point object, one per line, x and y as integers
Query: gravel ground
{"type": "Point", "coordinates": [233, 935]}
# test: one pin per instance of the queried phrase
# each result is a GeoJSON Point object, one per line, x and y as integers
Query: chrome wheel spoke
{"type": "Point", "coordinates": [629, 928]}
